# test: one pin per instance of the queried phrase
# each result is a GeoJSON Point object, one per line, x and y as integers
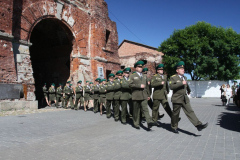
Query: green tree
{"type": "Point", "coordinates": [208, 51]}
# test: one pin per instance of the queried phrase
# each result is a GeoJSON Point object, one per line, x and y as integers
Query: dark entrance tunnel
{"type": "Point", "coordinates": [50, 55]}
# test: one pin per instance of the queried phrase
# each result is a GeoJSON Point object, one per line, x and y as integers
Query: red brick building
{"type": "Point", "coordinates": [130, 52]}
{"type": "Point", "coordinates": [54, 41]}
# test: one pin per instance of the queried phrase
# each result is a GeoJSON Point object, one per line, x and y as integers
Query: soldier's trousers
{"type": "Point", "coordinates": [125, 112]}
{"type": "Point", "coordinates": [69, 98]}
{"type": "Point", "coordinates": [108, 108]}
{"type": "Point", "coordinates": [96, 105]}
{"type": "Point", "coordinates": [137, 105]}
{"type": "Point", "coordinates": [155, 109]}
{"type": "Point", "coordinates": [77, 100]}
{"type": "Point", "coordinates": [58, 100]}
{"type": "Point", "coordinates": [187, 110]}
{"type": "Point", "coordinates": [150, 104]}
{"type": "Point", "coordinates": [116, 108]}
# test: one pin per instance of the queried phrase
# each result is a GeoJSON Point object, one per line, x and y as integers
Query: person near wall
{"type": "Point", "coordinates": [223, 94]}
{"type": "Point", "coordinates": [238, 96]}
{"type": "Point", "coordinates": [102, 94]}
{"type": "Point", "coordinates": [234, 89]}
{"type": "Point", "coordinates": [45, 92]}
{"type": "Point", "coordinates": [228, 94]}
{"type": "Point", "coordinates": [87, 98]}
{"type": "Point", "coordinates": [52, 94]}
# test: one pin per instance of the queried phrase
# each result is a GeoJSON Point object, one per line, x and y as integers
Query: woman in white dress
{"type": "Point", "coordinates": [228, 94]}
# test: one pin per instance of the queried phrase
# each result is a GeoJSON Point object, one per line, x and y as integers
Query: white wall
{"type": "Point", "coordinates": [204, 88]}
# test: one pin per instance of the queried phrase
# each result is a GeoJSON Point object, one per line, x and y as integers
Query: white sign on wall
{"type": "Point", "coordinates": [100, 72]}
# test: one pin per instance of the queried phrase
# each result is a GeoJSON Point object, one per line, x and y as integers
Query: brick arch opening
{"type": "Point", "coordinates": [52, 44]}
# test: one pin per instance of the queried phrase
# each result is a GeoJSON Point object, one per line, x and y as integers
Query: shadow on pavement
{"type": "Point", "coordinates": [228, 120]}
{"type": "Point", "coordinates": [168, 127]}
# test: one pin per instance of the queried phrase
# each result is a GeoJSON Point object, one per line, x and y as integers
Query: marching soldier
{"type": "Point", "coordinates": [139, 85]}
{"type": "Point", "coordinates": [52, 94]}
{"type": "Point", "coordinates": [109, 94]}
{"type": "Point", "coordinates": [91, 94]}
{"type": "Point", "coordinates": [60, 95]}
{"type": "Point", "coordinates": [68, 95]}
{"type": "Point", "coordinates": [180, 99]}
{"type": "Point", "coordinates": [45, 91]}
{"type": "Point", "coordinates": [150, 101]}
{"type": "Point", "coordinates": [126, 96]}
{"type": "Point", "coordinates": [102, 93]}
{"type": "Point", "coordinates": [87, 92]}
{"type": "Point", "coordinates": [117, 94]}
{"type": "Point", "coordinates": [161, 90]}
{"type": "Point", "coordinates": [79, 94]}
{"type": "Point", "coordinates": [96, 95]}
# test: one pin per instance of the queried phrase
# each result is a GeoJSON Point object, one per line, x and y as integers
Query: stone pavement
{"type": "Point", "coordinates": [83, 135]}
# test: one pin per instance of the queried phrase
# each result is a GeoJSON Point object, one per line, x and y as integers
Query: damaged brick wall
{"type": "Point", "coordinates": [86, 21]}
{"type": "Point", "coordinates": [152, 61]}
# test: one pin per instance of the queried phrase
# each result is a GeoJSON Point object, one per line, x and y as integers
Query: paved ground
{"type": "Point", "coordinates": [70, 134]}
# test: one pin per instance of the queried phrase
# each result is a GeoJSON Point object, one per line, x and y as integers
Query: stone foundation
{"type": "Point", "coordinates": [8, 105]}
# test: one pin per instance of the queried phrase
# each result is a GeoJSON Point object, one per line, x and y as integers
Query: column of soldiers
{"type": "Point", "coordinates": [134, 91]}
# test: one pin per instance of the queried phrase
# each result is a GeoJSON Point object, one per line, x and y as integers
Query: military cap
{"type": "Point", "coordinates": [60, 84]}
{"type": "Point", "coordinates": [45, 83]}
{"type": "Point", "coordinates": [103, 80]}
{"type": "Point", "coordinates": [79, 81]}
{"type": "Point", "coordinates": [68, 81]}
{"type": "Point", "coordinates": [119, 73]}
{"type": "Point", "coordinates": [235, 81]}
{"type": "Point", "coordinates": [134, 72]}
{"type": "Point", "coordinates": [127, 70]}
{"type": "Point", "coordinates": [180, 64]}
{"type": "Point", "coordinates": [111, 75]}
{"type": "Point", "coordinates": [87, 81]}
{"type": "Point", "coordinates": [91, 83]}
{"type": "Point", "coordinates": [107, 79]}
{"type": "Point", "coordinates": [53, 84]}
{"type": "Point", "coordinates": [139, 64]}
{"type": "Point", "coordinates": [160, 66]}
{"type": "Point", "coordinates": [145, 69]}
{"type": "Point", "coordinates": [98, 79]}
{"type": "Point", "coordinates": [70, 84]}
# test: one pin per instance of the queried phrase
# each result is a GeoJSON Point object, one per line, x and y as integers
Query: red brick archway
{"type": "Point", "coordinates": [50, 53]}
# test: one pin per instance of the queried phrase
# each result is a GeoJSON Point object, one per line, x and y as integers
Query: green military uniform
{"type": "Point", "coordinates": [160, 94]}
{"type": "Point", "coordinates": [126, 96]}
{"type": "Point", "coordinates": [60, 96]}
{"type": "Point", "coordinates": [116, 96]}
{"type": "Point", "coordinates": [96, 96]}
{"type": "Point", "coordinates": [91, 92]}
{"type": "Point", "coordinates": [139, 96]}
{"type": "Point", "coordinates": [79, 95]}
{"type": "Point", "coordinates": [109, 96]}
{"type": "Point", "coordinates": [181, 100]}
{"type": "Point", "coordinates": [68, 95]}
{"type": "Point", "coordinates": [87, 93]}
{"type": "Point", "coordinates": [45, 91]}
{"type": "Point", "coordinates": [102, 92]}
{"type": "Point", "coordinates": [52, 93]}
{"type": "Point", "coordinates": [149, 90]}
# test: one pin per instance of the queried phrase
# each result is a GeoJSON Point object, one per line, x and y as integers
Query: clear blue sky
{"type": "Point", "coordinates": [153, 21]}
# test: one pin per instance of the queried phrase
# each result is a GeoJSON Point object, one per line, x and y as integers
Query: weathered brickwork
{"type": "Point", "coordinates": [130, 52]}
{"type": "Point", "coordinates": [84, 40]}
{"type": "Point", "coordinates": [129, 48]}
